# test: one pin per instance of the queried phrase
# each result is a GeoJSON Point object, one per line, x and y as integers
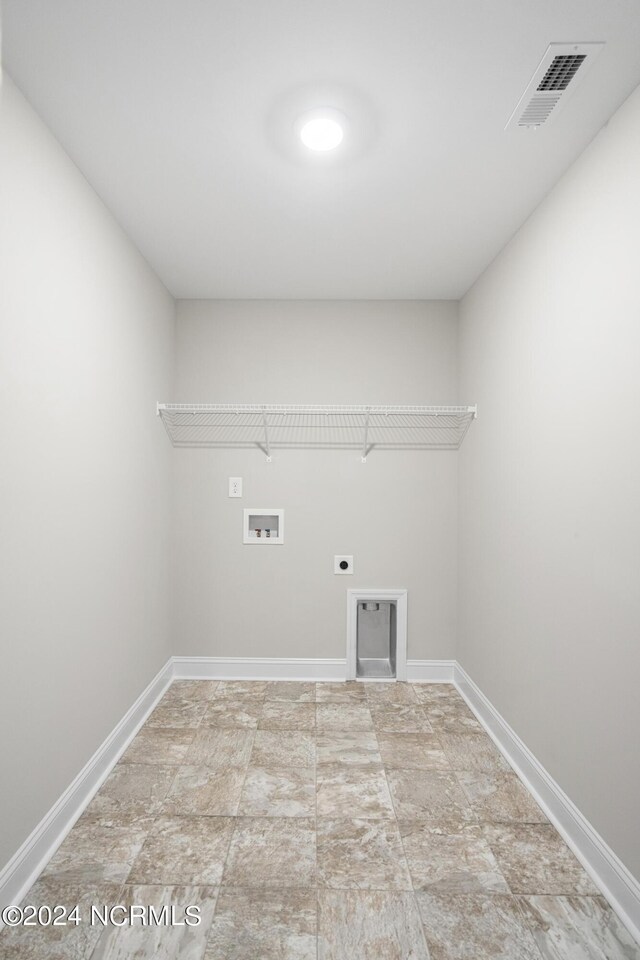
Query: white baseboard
{"type": "Point", "coordinates": [607, 871]}
{"type": "Point", "coordinates": [24, 867]}
{"type": "Point", "coordinates": [303, 668]}
{"type": "Point", "coordinates": [257, 668]}
{"type": "Point", "coordinates": [430, 671]}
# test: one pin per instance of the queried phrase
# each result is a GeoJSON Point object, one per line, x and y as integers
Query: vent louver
{"type": "Point", "coordinates": [561, 72]}
{"type": "Point", "coordinates": [558, 73]}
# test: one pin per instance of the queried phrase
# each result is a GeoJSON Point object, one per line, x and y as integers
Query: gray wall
{"type": "Point", "coordinates": [396, 514]}
{"type": "Point", "coordinates": [549, 505]}
{"type": "Point", "coordinates": [550, 483]}
{"type": "Point", "coordinates": [86, 334]}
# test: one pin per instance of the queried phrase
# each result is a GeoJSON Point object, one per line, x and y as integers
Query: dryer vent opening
{"type": "Point", "coordinates": [376, 643]}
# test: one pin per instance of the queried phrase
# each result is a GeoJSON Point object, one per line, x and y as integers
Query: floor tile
{"type": "Point", "coordinates": [472, 751]}
{"type": "Point", "coordinates": [475, 928]}
{"type": "Point", "coordinates": [133, 790]}
{"type": "Point", "coordinates": [189, 850]}
{"type": "Point", "coordinates": [455, 723]}
{"type": "Point", "coordinates": [264, 925]}
{"type": "Point", "coordinates": [499, 797]}
{"type": "Point", "coordinates": [292, 690]}
{"type": "Point", "coordinates": [361, 854]}
{"type": "Point", "coordinates": [389, 692]}
{"type": "Point", "coordinates": [283, 748]}
{"type": "Point", "coordinates": [159, 745]}
{"type": "Point", "coordinates": [428, 795]}
{"type": "Point", "coordinates": [369, 925]}
{"type": "Point", "coordinates": [535, 859]}
{"type": "Point", "coordinates": [204, 800]}
{"type": "Point", "coordinates": [452, 716]}
{"type": "Point", "coordinates": [285, 715]}
{"type": "Point", "coordinates": [178, 713]}
{"type": "Point", "coordinates": [272, 852]}
{"type": "Point", "coordinates": [577, 928]}
{"type": "Point", "coordinates": [192, 689]}
{"type": "Point", "coordinates": [98, 850]}
{"type": "Point", "coordinates": [429, 692]}
{"type": "Point", "coordinates": [343, 717]}
{"type": "Point", "coordinates": [220, 747]}
{"type": "Point", "coordinates": [444, 707]}
{"type": "Point", "coordinates": [164, 941]}
{"type": "Point", "coordinates": [205, 791]}
{"type": "Point", "coordinates": [449, 703]}
{"type": "Point", "coordinates": [360, 748]}
{"type": "Point", "coordinates": [399, 718]}
{"type": "Point", "coordinates": [412, 751]}
{"type": "Point", "coordinates": [352, 791]}
{"type": "Point", "coordinates": [70, 942]}
{"type": "Point", "coordinates": [450, 858]}
{"type": "Point", "coordinates": [349, 692]}
{"type": "Point", "coordinates": [278, 792]}
{"type": "Point", "coordinates": [241, 690]}
{"type": "Point", "coordinates": [232, 713]}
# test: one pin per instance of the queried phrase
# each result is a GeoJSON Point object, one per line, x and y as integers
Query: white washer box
{"type": "Point", "coordinates": [263, 525]}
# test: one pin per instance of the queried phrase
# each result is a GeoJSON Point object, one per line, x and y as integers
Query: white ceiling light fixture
{"type": "Point", "coordinates": [322, 130]}
{"type": "Point", "coordinates": [324, 133]}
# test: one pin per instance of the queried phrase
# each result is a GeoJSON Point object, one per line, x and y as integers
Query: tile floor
{"type": "Point", "coordinates": [333, 821]}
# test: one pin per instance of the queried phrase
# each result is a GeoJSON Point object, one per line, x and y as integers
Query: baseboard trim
{"type": "Point", "coordinates": [430, 671]}
{"type": "Point", "coordinates": [258, 668]}
{"type": "Point", "coordinates": [295, 668]}
{"type": "Point", "coordinates": [607, 871]}
{"type": "Point", "coordinates": [24, 867]}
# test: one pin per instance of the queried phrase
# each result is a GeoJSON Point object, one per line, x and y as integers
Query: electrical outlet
{"type": "Point", "coordinates": [235, 486]}
{"type": "Point", "coordinates": [343, 565]}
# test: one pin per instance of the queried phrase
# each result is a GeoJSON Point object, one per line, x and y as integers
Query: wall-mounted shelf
{"type": "Point", "coordinates": [271, 426]}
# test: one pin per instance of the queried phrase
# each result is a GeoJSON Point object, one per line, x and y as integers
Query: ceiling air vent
{"type": "Point", "coordinates": [563, 66]}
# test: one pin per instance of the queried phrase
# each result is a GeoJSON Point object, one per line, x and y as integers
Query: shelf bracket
{"type": "Point", "coordinates": [366, 435]}
{"type": "Point", "coordinates": [266, 435]}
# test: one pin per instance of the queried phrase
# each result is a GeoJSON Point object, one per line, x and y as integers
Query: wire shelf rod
{"type": "Point", "coordinates": [270, 426]}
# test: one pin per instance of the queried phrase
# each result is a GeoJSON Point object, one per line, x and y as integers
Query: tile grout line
{"type": "Point", "coordinates": [527, 925]}
{"type": "Point", "coordinates": [125, 883]}
{"type": "Point", "coordinates": [315, 781]}
{"type": "Point", "coordinates": [107, 930]}
{"type": "Point", "coordinates": [234, 818]}
{"type": "Point", "coordinates": [433, 732]}
{"type": "Point", "coordinates": [397, 821]}
{"type": "Point", "coordinates": [173, 780]}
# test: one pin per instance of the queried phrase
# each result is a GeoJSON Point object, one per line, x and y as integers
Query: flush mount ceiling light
{"type": "Point", "coordinates": [324, 133]}
{"type": "Point", "coordinates": [322, 130]}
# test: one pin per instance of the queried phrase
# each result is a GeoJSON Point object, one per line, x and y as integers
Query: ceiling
{"type": "Point", "coordinates": [181, 115]}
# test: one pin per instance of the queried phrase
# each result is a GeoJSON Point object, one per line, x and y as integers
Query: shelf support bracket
{"type": "Point", "coordinates": [366, 435]}
{"type": "Point", "coordinates": [266, 434]}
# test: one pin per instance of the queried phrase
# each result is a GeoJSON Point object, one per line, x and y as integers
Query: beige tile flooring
{"type": "Point", "coordinates": [333, 821]}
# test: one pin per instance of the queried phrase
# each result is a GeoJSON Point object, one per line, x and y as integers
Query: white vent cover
{"type": "Point", "coordinates": [563, 66]}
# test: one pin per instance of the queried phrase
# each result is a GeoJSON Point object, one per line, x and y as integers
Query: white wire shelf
{"type": "Point", "coordinates": [272, 426]}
